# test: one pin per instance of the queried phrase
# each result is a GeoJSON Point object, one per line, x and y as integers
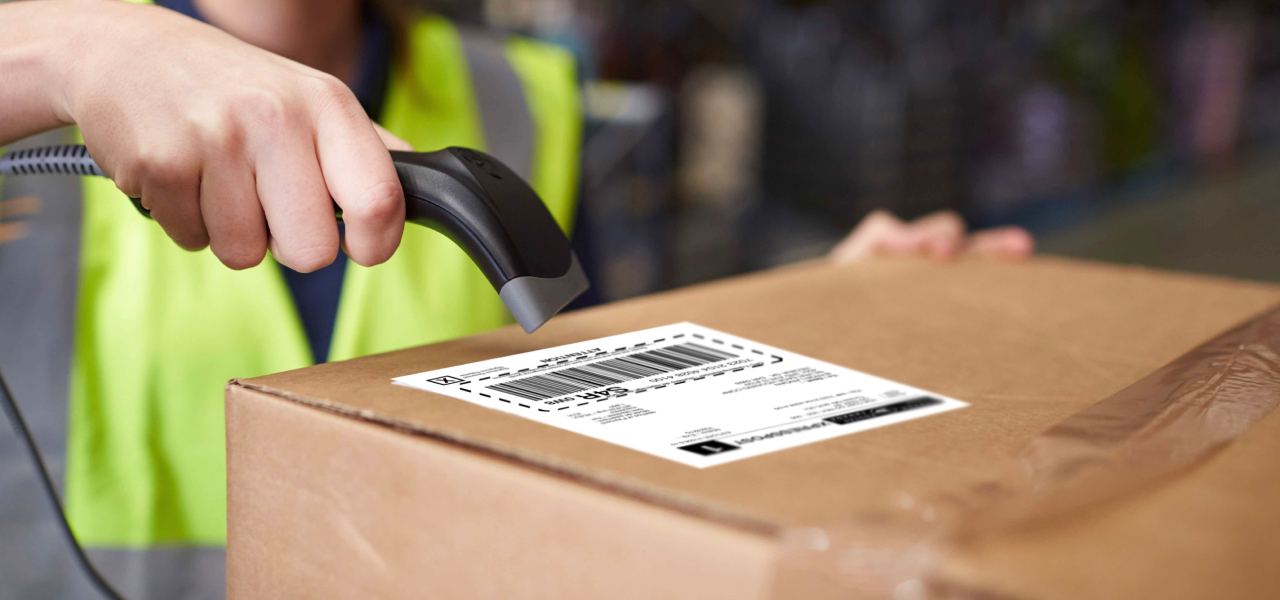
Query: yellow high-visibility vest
{"type": "Point", "coordinates": [159, 331]}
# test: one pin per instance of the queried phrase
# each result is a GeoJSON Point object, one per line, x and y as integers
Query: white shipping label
{"type": "Point", "coordinates": [686, 393]}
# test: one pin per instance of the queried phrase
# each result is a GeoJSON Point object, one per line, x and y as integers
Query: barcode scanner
{"type": "Point", "coordinates": [469, 196]}
{"type": "Point", "coordinates": [489, 211]}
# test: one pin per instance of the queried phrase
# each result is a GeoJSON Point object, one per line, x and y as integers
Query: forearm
{"type": "Point", "coordinates": [35, 41]}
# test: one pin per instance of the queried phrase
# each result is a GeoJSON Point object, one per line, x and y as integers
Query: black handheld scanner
{"type": "Point", "coordinates": [500, 222]}
{"type": "Point", "coordinates": [467, 195]}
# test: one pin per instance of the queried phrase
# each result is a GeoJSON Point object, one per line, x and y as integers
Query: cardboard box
{"type": "Point", "coordinates": [344, 485]}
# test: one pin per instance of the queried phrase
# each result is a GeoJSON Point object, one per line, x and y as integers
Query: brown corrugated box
{"type": "Point", "coordinates": [342, 484]}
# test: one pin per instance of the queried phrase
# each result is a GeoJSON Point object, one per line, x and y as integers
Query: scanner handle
{"type": "Point", "coordinates": [501, 223]}
{"type": "Point", "coordinates": [485, 208]}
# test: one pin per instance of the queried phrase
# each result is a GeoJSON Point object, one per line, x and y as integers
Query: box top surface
{"type": "Point", "coordinates": [1026, 344]}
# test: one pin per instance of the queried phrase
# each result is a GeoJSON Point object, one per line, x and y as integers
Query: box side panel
{"type": "Point", "coordinates": [325, 506]}
{"type": "Point", "coordinates": [1026, 344]}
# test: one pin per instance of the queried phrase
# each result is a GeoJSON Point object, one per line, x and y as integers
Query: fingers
{"type": "Point", "coordinates": [391, 141]}
{"type": "Point", "coordinates": [872, 236]}
{"type": "Point", "coordinates": [170, 188]}
{"type": "Point", "coordinates": [1002, 242]}
{"type": "Point", "coordinates": [306, 144]}
{"type": "Point", "coordinates": [941, 235]}
{"type": "Point", "coordinates": [232, 213]}
{"type": "Point", "coordinates": [358, 172]}
{"type": "Point", "coordinates": [276, 189]}
{"type": "Point", "coordinates": [303, 231]}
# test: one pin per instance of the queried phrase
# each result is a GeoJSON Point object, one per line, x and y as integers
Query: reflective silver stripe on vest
{"type": "Point", "coordinates": [164, 573]}
{"type": "Point", "coordinates": [39, 274]}
{"type": "Point", "coordinates": [500, 96]}
{"type": "Point", "coordinates": [39, 277]}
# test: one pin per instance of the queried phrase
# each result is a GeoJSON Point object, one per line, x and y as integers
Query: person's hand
{"type": "Point", "coordinates": [940, 235]}
{"type": "Point", "coordinates": [228, 145]}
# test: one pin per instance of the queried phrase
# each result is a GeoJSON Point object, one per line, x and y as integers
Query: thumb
{"type": "Point", "coordinates": [390, 140]}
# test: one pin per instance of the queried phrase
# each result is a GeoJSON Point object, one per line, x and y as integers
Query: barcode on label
{"type": "Point", "coordinates": [612, 371]}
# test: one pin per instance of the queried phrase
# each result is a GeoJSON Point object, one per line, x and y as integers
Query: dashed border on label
{"type": "Point", "coordinates": [621, 350]}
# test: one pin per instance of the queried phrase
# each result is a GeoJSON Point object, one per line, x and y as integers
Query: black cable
{"type": "Point", "coordinates": [20, 427]}
{"type": "Point", "coordinates": [65, 159]}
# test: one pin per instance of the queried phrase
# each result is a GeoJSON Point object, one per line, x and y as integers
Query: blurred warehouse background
{"type": "Point", "coordinates": [730, 135]}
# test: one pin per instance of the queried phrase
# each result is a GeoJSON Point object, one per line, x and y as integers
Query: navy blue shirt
{"type": "Point", "coordinates": [316, 294]}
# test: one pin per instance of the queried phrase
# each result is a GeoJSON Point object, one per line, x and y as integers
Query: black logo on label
{"type": "Point", "coordinates": [867, 414]}
{"type": "Point", "coordinates": [446, 380]}
{"type": "Point", "coordinates": [709, 447]}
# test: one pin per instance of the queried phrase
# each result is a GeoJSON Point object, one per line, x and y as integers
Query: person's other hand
{"type": "Point", "coordinates": [228, 145]}
{"type": "Point", "coordinates": [940, 235]}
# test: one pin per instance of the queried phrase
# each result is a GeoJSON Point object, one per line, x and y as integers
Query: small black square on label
{"type": "Point", "coordinates": [709, 447]}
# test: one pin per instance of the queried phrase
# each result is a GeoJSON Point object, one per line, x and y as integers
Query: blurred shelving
{"type": "Point", "coordinates": [774, 125]}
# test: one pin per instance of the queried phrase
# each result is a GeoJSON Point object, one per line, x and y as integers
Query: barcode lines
{"type": "Point", "coordinates": [612, 371]}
